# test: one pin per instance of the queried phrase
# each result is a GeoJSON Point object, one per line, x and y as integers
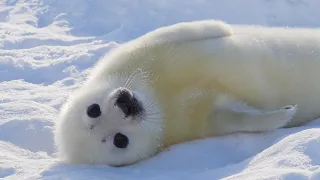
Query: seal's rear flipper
{"type": "Point", "coordinates": [235, 116]}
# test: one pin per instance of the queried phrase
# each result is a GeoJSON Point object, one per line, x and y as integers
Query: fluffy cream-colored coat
{"type": "Point", "coordinates": [193, 80]}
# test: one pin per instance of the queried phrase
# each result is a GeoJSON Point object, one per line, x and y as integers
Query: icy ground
{"type": "Point", "coordinates": [47, 48]}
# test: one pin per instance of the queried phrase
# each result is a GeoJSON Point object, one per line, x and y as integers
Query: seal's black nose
{"type": "Point", "coordinates": [128, 103]}
{"type": "Point", "coordinates": [120, 141]}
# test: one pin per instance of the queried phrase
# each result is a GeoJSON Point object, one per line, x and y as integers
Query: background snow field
{"type": "Point", "coordinates": [47, 48]}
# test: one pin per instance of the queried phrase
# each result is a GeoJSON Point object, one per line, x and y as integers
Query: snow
{"type": "Point", "coordinates": [48, 47]}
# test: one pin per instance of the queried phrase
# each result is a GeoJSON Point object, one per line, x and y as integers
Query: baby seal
{"type": "Point", "coordinates": [188, 81]}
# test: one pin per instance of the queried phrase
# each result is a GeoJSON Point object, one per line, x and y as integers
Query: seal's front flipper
{"type": "Point", "coordinates": [235, 116]}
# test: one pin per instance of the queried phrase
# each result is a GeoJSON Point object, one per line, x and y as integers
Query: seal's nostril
{"type": "Point", "coordinates": [120, 141]}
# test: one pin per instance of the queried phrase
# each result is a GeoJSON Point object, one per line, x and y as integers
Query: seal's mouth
{"type": "Point", "coordinates": [128, 103]}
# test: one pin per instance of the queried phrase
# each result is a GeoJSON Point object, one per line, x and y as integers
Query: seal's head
{"type": "Point", "coordinates": [109, 124]}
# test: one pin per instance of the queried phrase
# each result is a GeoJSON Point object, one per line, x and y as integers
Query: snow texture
{"type": "Point", "coordinates": [48, 47]}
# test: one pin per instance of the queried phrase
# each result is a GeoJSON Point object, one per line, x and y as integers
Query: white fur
{"type": "Point", "coordinates": [195, 79]}
{"type": "Point", "coordinates": [78, 143]}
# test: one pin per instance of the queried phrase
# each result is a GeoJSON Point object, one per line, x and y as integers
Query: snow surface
{"type": "Point", "coordinates": [48, 47]}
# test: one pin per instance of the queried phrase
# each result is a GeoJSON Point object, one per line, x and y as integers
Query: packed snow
{"type": "Point", "coordinates": [47, 49]}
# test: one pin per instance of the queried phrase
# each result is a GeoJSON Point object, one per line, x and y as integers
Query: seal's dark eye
{"type": "Point", "coordinates": [120, 141]}
{"type": "Point", "coordinates": [94, 111]}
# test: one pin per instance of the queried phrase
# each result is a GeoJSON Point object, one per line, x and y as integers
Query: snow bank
{"type": "Point", "coordinates": [48, 47]}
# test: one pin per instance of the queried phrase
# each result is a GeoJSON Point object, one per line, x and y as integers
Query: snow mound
{"type": "Point", "coordinates": [47, 49]}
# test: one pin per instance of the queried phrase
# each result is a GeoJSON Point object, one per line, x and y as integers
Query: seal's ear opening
{"type": "Point", "coordinates": [129, 105]}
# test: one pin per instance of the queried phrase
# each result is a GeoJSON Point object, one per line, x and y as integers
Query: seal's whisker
{"type": "Point", "coordinates": [155, 117]}
{"type": "Point", "coordinates": [133, 76]}
{"type": "Point", "coordinates": [156, 122]}
{"type": "Point", "coordinates": [151, 103]}
{"type": "Point", "coordinates": [144, 126]}
{"type": "Point", "coordinates": [154, 113]}
{"type": "Point", "coordinates": [129, 79]}
{"type": "Point", "coordinates": [152, 108]}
